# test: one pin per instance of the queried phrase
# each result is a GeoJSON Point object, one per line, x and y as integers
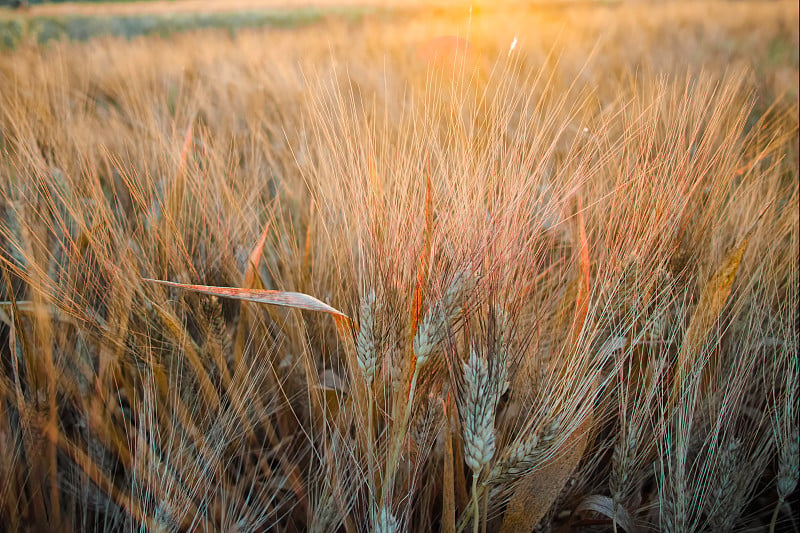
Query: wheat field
{"type": "Point", "coordinates": [461, 270]}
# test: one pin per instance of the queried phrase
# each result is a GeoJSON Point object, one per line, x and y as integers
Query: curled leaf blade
{"type": "Point", "coordinates": [251, 277]}
{"type": "Point", "coordinates": [295, 300]}
{"type": "Point", "coordinates": [604, 505]}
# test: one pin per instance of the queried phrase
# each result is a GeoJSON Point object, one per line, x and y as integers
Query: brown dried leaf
{"type": "Point", "coordinates": [536, 492]}
{"type": "Point", "coordinates": [28, 307]}
{"type": "Point", "coordinates": [712, 300]}
{"type": "Point", "coordinates": [582, 299]}
{"type": "Point", "coordinates": [295, 300]}
{"type": "Point", "coordinates": [251, 278]}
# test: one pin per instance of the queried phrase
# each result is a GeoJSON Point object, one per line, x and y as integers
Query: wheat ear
{"type": "Point", "coordinates": [478, 414]}
{"type": "Point", "coordinates": [431, 333]}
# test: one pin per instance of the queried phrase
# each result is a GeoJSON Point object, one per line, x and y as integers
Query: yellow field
{"type": "Point", "coordinates": [182, 6]}
{"type": "Point", "coordinates": [427, 270]}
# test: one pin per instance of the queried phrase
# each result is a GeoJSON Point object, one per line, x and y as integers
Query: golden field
{"type": "Point", "coordinates": [499, 269]}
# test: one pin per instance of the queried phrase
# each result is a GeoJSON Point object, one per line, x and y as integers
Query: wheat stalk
{"type": "Point", "coordinates": [438, 320]}
{"type": "Point", "coordinates": [366, 344]}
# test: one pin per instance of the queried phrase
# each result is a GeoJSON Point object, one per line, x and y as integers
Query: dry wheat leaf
{"type": "Point", "coordinates": [251, 278]}
{"type": "Point", "coordinates": [25, 307]}
{"type": "Point", "coordinates": [536, 492]}
{"type": "Point", "coordinates": [331, 381]}
{"type": "Point", "coordinates": [295, 300]}
{"type": "Point", "coordinates": [612, 345]}
{"type": "Point", "coordinates": [582, 298]}
{"type": "Point", "coordinates": [712, 300]}
{"type": "Point", "coordinates": [605, 506]}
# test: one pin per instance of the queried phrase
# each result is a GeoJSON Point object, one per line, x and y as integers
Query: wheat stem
{"type": "Point", "coordinates": [475, 524]}
{"type": "Point", "coordinates": [399, 438]}
{"type": "Point", "coordinates": [775, 515]}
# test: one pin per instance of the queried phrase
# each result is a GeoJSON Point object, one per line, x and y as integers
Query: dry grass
{"type": "Point", "coordinates": [570, 266]}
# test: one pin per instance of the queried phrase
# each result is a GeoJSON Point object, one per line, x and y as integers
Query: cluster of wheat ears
{"type": "Point", "coordinates": [249, 285]}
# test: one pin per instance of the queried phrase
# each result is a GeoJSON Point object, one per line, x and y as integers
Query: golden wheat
{"type": "Point", "coordinates": [307, 280]}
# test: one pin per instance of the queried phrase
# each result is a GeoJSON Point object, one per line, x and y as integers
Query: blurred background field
{"type": "Point", "coordinates": [722, 30]}
{"type": "Point", "coordinates": [79, 23]}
